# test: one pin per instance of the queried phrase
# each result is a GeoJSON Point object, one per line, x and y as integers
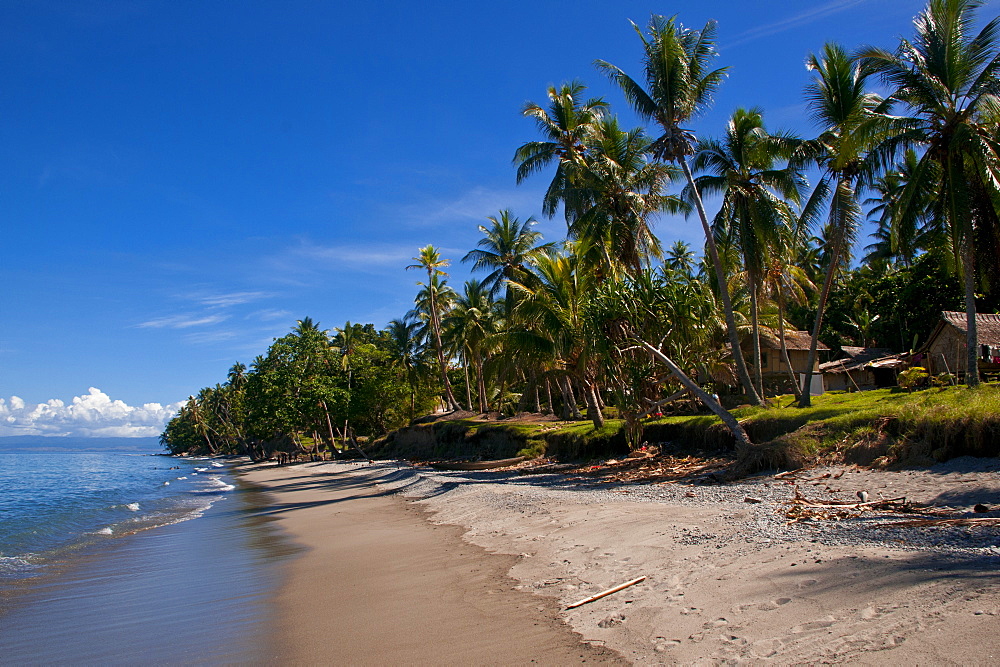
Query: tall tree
{"type": "Point", "coordinates": [507, 250]}
{"type": "Point", "coordinates": [616, 190]}
{"type": "Point", "coordinates": [949, 80]}
{"type": "Point", "coordinates": [430, 260]}
{"type": "Point", "coordinates": [565, 126]}
{"type": "Point", "coordinates": [849, 118]}
{"type": "Point", "coordinates": [680, 83]}
{"type": "Point", "coordinates": [407, 354]}
{"type": "Point", "coordinates": [744, 167]}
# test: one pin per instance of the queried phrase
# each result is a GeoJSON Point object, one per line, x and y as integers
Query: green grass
{"type": "Point", "coordinates": [881, 427]}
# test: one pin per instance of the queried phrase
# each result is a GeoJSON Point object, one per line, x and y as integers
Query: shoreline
{"type": "Point", "coordinates": [193, 590]}
{"type": "Point", "coordinates": [726, 580]}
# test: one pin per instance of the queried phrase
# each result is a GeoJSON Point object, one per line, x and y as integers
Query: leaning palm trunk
{"type": "Point", "coordinates": [804, 397]}
{"type": "Point", "coordinates": [727, 304]}
{"type": "Point", "coordinates": [594, 413]}
{"type": "Point", "coordinates": [743, 443]}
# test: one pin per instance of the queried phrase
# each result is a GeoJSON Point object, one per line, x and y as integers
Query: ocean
{"type": "Point", "coordinates": [112, 554]}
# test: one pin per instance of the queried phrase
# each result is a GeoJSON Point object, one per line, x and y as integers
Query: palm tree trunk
{"type": "Point", "coordinates": [784, 348]}
{"type": "Point", "coordinates": [743, 443]}
{"type": "Point", "coordinates": [481, 383]}
{"type": "Point", "coordinates": [757, 371]}
{"type": "Point", "coordinates": [548, 390]}
{"type": "Point", "coordinates": [594, 413]}
{"type": "Point", "coordinates": [804, 398]}
{"type": "Point", "coordinates": [468, 385]}
{"type": "Point", "coordinates": [727, 304]}
{"type": "Point", "coordinates": [436, 325]}
{"type": "Point", "coordinates": [972, 334]}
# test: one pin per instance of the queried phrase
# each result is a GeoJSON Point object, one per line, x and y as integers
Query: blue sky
{"type": "Point", "coordinates": [184, 180]}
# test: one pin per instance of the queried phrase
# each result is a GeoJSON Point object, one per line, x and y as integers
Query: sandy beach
{"type": "Point", "coordinates": [409, 565]}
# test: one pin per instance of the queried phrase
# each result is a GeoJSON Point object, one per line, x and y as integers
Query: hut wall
{"type": "Point", "coordinates": [951, 344]}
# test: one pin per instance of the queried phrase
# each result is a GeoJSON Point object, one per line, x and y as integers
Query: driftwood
{"type": "Point", "coordinates": [943, 521]}
{"type": "Point", "coordinates": [478, 465]}
{"type": "Point", "coordinates": [605, 593]}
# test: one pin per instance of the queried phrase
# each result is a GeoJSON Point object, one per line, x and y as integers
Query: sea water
{"type": "Point", "coordinates": [119, 557]}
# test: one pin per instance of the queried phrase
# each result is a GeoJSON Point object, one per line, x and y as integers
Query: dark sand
{"type": "Point", "coordinates": [380, 584]}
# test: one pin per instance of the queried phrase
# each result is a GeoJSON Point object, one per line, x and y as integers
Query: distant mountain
{"type": "Point", "coordinates": [39, 443]}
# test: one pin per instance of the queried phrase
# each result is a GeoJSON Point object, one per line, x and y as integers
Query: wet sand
{"type": "Point", "coordinates": [380, 584]}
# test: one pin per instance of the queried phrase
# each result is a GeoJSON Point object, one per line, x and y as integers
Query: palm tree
{"type": "Point", "coordinates": [680, 259]}
{"type": "Point", "coordinates": [469, 324]}
{"type": "Point", "coordinates": [849, 119]}
{"type": "Point", "coordinates": [742, 168]}
{"type": "Point", "coordinates": [430, 260]}
{"type": "Point", "coordinates": [507, 250]}
{"type": "Point", "coordinates": [948, 80]}
{"type": "Point", "coordinates": [899, 238]}
{"type": "Point", "coordinates": [785, 280]}
{"type": "Point", "coordinates": [549, 324]}
{"type": "Point", "coordinates": [565, 126]}
{"type": "Point", "coordinates": [677, 63]}
{"type": "Point", "coordinates": [407, 353]}
{"type": "Point", "coordinates": [616, 189]}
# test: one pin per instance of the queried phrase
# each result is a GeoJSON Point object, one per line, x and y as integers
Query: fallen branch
{"type": "Point", "coordinates": [944, 521]}
{"type": "Point", "coordinates": [605, 593]}
{"type": "Point", "coordinates": [846, 505]}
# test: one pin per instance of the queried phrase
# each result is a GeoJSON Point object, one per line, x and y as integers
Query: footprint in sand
{"type": "Point", "coordinates": [814, 625]}
{"type": "Point", "coordinates": [690, 610]}
{"type": "Point", "coordinates": [717, 623]}
{"type": "Point", "coordinates": [807, 583]}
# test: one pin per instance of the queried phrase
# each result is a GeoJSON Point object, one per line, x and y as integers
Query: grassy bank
{"type": "Point", "coordinates": [881, 427]}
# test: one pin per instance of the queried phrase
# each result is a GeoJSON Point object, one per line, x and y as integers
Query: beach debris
{"type": "Point", "coordinates": [943, 521]}
{"type": "Point", "coordinates": [602, 594]}
{"type": "Point", "coordinates": [807, 509]}
{"type": "Point", "coordinates": [748, 499]}
{"type": "Point", "coordinates": [644, 468]}
{"type": "Point", "coordinates": [980, 509]}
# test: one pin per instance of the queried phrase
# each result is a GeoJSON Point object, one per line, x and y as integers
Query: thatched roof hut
{"type": "Point", "coordinates": [945, 350]}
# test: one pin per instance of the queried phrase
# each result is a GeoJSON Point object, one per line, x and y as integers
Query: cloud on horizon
{"type": "Point", "coordinates": [92, 415]}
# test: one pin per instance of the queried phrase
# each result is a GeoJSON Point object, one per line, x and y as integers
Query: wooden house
{"type": "Point", "coordinates": [860, 368]}
{"type": "Point", "coordinates": [774, 371]}
{"type": "Point", "coordinates": [945, 350]}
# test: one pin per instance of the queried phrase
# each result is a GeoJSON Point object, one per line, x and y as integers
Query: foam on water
{"type": "Point", "coordinates": [55, 503]}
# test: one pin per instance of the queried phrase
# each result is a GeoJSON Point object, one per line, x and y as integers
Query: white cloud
{"type": "Point", "coordinates": [94, 414]}
{"type": "Point", "coordinates": [473, 205]}
{"type": "Point", "coordinates": [182, 321]}
{"type": "Point", "coordinates": [232, 299]}
{"type": "Point", "coordinates": [269, 315]}
{"type": "Point", "coordinates": [798, 20]}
